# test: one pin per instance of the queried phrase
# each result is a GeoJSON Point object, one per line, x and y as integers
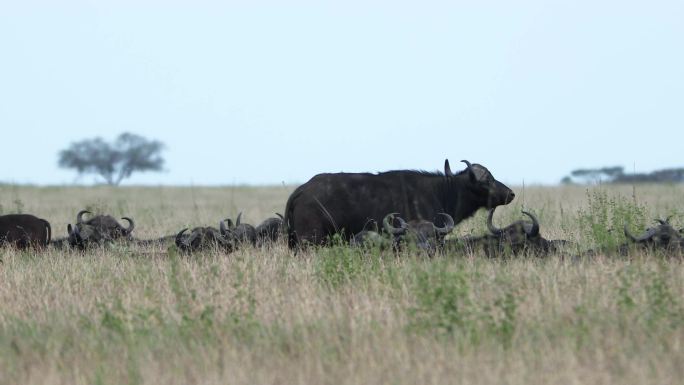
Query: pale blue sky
{"type": "Point", "coordinates": [261, 92]}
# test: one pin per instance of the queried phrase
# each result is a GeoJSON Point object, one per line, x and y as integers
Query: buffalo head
{"type": "Point", "coordinates": [662, 236]}
{"type": "Point", "coordinates": [481, 184]}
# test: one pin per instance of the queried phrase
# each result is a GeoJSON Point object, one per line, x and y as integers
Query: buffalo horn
{"type": "Point", "coordinates": [370, 225]}
{"type": "Point", "coordinates": [535, 224]}
{"type": "Point", "coordinates": [79, 216]}
{"type": "Point", "coordinates": [645, 236]}
{"type": "Point", "coordinates": [179, 238]}
{"type": "Point", "coordinates": [389, 227]}
{"type": "Point", "coordinates": [490, 225]}
{"type": "Point", "coordinates": [471, 172]}
{"type": "Point", "coordinates": [447, 168]}
{"type": "Point", "coordinates": [131, 224]}
{"type": "Point", "coordinates": [448, 225]}
{"type": "Point", "coordinates": [664, 222]}
{"type": "Point", "coordinates": [237, 220]}
{"type": "Point", "coordinates": [222, 226]}
{"type": "Point", "coordinates": [75, 232]}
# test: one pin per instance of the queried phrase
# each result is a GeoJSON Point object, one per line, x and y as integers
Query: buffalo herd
{"type": "Point", "coordinates": [395, 210]}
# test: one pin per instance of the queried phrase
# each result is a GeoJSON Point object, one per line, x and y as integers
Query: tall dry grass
{"type": "Point", "coordinates": [335, 315]}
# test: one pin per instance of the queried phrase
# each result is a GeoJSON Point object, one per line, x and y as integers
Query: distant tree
{"type": "Point", "coordinates": [617, 175]}
{"type": "Point", "coordinates": [589, 175]}
{"type": "Point", "coordinates": [668, 175]}
{"type": "Point", "coordinates": [113, 161]}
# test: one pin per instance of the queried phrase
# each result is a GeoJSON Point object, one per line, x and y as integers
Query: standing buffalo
{"type": "Point", "coordinates": [24, 230]}
{"type": "Point", "coordinates": [345, 202]}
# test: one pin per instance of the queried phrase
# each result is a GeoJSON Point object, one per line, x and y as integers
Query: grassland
{"type": "Point", "coordinates": [339, 316]}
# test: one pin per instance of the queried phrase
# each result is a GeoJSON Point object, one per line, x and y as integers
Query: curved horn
{"type": "Point", "coordinates": [79, 216]}
{"type": "Point", "coordinates": [75, 233]}
{"type": "Point", "coordinates": [370, 225]}
{"type": "Point", "coordinates": [534, 231]}
{"type": "Point", "coordinates": [179, 238]}
{"type": "Point", "coordinates": [196, 235]}
{"type": "Point", "coordinates": [389, 227]}
{"type": "Point", "coordinates": [280, 216]}
{"type": "Point", "coordinates": [490, 225]}
{"type": "Point", "coordinates": [643, 237]}
{"type": "Point", "coordinates": [237, 220]}
{"type": "Point", "coordinates": [131, 225]}
{"type": "Point", "coordinates": [471, 173]}
{"type": "Point", "coordinates": [222, 226]}
{"type": "Point", "coordinates": [664, 222]}
{"type": "Point", "coordinates": [448, 225]}
{"type": "Point", "coordinates": [447, 168]}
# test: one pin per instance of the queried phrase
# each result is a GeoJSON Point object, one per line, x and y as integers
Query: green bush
{"type": "Point", "coordinates": [602, 221]}
{"type": "Point", "coordinates": [339, 264]}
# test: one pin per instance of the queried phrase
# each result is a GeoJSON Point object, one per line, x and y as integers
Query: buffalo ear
{"type": "Point", "coordinates": [447, 168]}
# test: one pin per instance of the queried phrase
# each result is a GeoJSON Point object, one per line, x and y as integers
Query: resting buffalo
{"type": "Point", "coordinates": [269, 230]}
{"type": "Point", "coordinates": [370, 237]}
{"type": "Point", "coordinates": [24, 230]}
{"type": "Point", "coordinates": [345, 202]}
{"type": "Point", "coordinates": [425, 235]}
{"type": "Point", "coordinates": [661, 237]}
{"type": "Point", "coordinates": [242, 232]}
{"type": "Point", "coordinates": [517, 238]}
{"type": "Point", "coordinates": [97, 230]}
{"type": "Point", "coordinates": [204, 238]}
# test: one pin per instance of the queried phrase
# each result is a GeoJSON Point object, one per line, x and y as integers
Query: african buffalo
{"type": "Point", "coordinates": [24, 230]}
{"type": "Point", "coordinates": [97, 230]}
{"type": "Point", "coordinates": [243, 232]}
{"type": "Point", "coordinates": [204, 238]}
{"type": "Point", "coordinates": [269, 230]}
{"type": "Point", "coordinates": [425, 235]}
{"type": "Point", "coordinates": [519, 237]}
{"type": "Point", "coordinates": [370, 235]}
{"type": "Point", "coordinates": [661, 237]}
{"type": "Point", "coordinates": [344, 202]}
{"type": "Point", "coordinates": [394, 229]}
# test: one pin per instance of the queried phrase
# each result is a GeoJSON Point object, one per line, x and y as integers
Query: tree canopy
{"type": "Point", "coordinates": [616, 174]}
{"type": "Point", "coordinates": [115, 161]}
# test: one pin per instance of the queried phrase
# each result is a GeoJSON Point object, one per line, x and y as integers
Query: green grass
{"type": "Point", "coordinates": [337, 315]}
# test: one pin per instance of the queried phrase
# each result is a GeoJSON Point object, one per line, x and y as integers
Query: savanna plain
{"type": "Point", "coordinates": [134, 315]}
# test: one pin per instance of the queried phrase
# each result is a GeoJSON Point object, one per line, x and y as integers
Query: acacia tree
{"type": "Point", "coordinates": [115, 161]}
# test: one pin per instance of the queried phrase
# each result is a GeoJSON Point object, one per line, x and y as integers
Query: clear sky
{"type": "Point", "coordinates": [265, 92]}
